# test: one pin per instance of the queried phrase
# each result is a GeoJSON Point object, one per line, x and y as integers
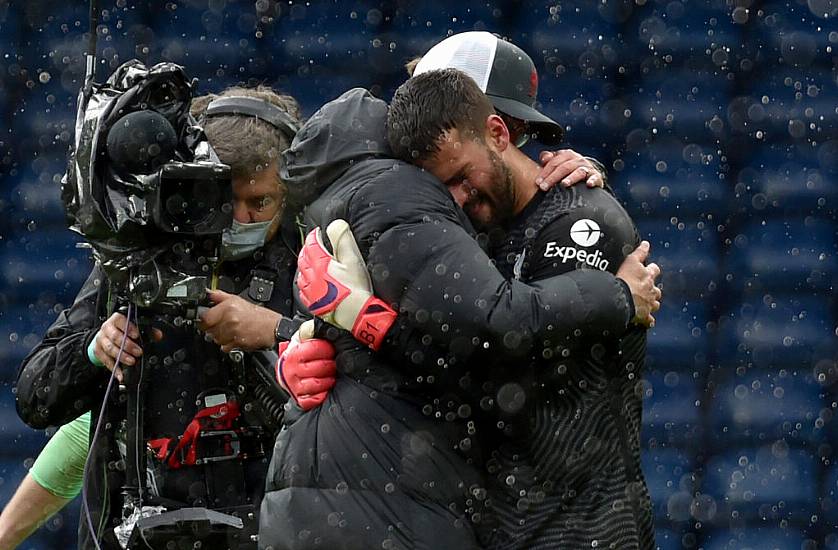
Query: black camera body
{"type": "Point", "coordinates": [145, 188]}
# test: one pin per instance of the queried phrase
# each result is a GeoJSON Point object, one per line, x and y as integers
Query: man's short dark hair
{"type": "Point", "coordinates": [426, 106]}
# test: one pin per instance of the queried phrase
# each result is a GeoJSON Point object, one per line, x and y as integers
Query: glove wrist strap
{"type": "Point", "coordinates": [373, 322]}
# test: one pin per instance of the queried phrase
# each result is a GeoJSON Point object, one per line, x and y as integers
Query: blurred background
{"type": "Point", "coordinates": [718, 121]}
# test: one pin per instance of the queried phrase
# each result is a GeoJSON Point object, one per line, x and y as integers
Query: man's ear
{"type": "Point", "coordinates": [497, 134]}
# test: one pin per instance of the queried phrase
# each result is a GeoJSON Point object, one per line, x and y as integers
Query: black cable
{"type": "Point", "coordinates": [86, 475]}
{"type": "Point", "coordinates": [137, 442]}
{"type": "Point", "coordinates": [94, 23]}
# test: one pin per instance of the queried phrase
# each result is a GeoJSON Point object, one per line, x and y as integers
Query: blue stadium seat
{"type": "Point", "coordinates": [829, 502]}
{"type": "Point", "coordinates": [571, 34]}
{"type": "Point", "coordinates": [795, 255]}
{"type": "Point", "coordinates": [677, 83]}
{"type": "Point", "coordinates": [216, 82]}
{"type": "Point", "coordinates": [12, 472]}
{"type": "Point", "coordinates": [60, 531]}
{"type": "Point", "coordinates": [19, 443]}
{"type": "Point", "coordinates": [777, 332]}
{"type": "Point", "coordinates": [44, 262]}
{"type": "Point", "coordinates": [793, 105]}
{"type": "Point", "coordinates": [688, 119]}
{"type": "Point", "coordinates": [587, 107]}
{"type": "Point", "coordinates": [10, 30]}
{"type": "Point", "coordinates": [208, 56]}
{"type": "Point", "coordinates": [671, 402]}
{"type": "Point", "coordinates": [793, 33]}
{"type": "Point", "coordinates": [688, 253]}
{"type": "Point", "coordinates": [313, 91]}
{"type": "Point", "coordinates": [4, 93]}
{"type": "Point", "coordinates": [758, 538]}
{"type": "Point", "coordinates": [667, 539]}
{"type": "Point", "coordinates": [680, 338]}
{"type": "Point", "coordinates": [58, 20]}
{"type": "Point", "coordinates": [665, 186]}
{"type": "Point", "coordinates": [21, 328]}
{"type": "Point", "coordinates": [777, 186]}
{"type": "Point", "coordinates": [419, 25]}
{"type": "Point", "coordinates": [44, 121]}
{"type": "Point", "coordinates": [196, 18]}
{"type": "Point", "coordinates": [773, 482]}
{"type": "Point", "coordinates": [764, 406]}
{"type": "Point", "coordinates": [686, 32]}
{"type": "Point", "coordinates": [341, 37]}
{"type": "Point", "coordinates": [686, 104]}
{"type": "Point", "coordinates": [123, 34]}
{"type": "Point", "coordinates": [671, 482]}
{"type": "Point", "coordinates": [35, 194]}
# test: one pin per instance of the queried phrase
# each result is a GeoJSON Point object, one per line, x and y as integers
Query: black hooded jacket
{"type": "Point", "coordinates": [392, 459]}
{"type": "Point", "coordinates": [57, 383]}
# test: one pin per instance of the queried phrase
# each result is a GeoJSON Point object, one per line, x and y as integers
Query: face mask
{"type": "Point", "coordinates": [243, 239]}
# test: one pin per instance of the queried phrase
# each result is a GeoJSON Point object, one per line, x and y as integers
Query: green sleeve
{"type": "Point", "coordinates": [60, 467]}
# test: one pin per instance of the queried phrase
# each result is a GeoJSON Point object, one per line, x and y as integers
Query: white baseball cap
{"type": "Point", "coordinates": [502, 70]}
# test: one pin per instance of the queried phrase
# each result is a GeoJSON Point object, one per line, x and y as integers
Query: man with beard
{"type": "Point", "coordinates": [394, 457]}
{"type": "Point", "coordinates": [566, 473]}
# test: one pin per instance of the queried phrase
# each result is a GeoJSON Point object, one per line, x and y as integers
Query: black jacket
{"type": "Point", "coordinates": [392, 458]}
{"type": "Point", "coordinates": [57, 383]}
{"type": "Point", "coordinates": [571, 478]}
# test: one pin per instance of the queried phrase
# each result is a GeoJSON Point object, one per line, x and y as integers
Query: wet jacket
{"type": "Point", "coordinates": [393, 458]}
{"type": "Point", "coordinates": [572, 478]}
{"type": "Point", "coordinates": [57, 383]}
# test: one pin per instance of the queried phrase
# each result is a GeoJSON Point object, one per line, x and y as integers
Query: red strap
{"type": "Point", "coordinates": [219, 417]}
{"type": "Point", "coordinates": [160, 447]}
{"type": "Point", "coordinates": [373, 322]}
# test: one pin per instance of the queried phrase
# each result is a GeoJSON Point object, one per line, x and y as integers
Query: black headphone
{"type": "Point", "coordinates": [255, 107]}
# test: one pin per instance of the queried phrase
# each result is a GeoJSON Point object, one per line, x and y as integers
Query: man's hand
{"type": "Point", "coordinates": [641, 280]}
{"type": "Point", "coordinates": [235, 323]}
{"type": "Point", "coordinates": [306, 367]}
{"type": "Point", "coordinates": [109, 340]}
{"type": "Point", "coordinates": [337, 288]}
{"type": "Point", "coordinates": [568, 167]}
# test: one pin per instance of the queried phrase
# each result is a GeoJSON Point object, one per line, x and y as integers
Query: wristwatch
{"type": "Point", "coordinates": [285, 328]}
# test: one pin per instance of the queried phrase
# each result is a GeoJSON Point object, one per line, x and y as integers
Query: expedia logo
{"type": "Point", "coordinates": [567, 253]}
{"type": "Point", "coordinates": [585, 232]}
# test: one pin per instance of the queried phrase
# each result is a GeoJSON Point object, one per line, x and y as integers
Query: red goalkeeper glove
{"type": "Point", "coordinates": [306, 367]}
{"type": "Point", "coordinates": [337, 288]}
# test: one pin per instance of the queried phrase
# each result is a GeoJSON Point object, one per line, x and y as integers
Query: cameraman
{"type": "Point", "coordinates": [67, 373]}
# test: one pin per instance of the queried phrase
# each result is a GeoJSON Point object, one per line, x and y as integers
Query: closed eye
{"type": "Point", "coordinates": [456, 179]}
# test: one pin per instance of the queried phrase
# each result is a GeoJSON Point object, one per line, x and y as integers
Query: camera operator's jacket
{"type": "Point", "coordinates": [392, 459]}
{"type": "Point", "coordinates": [57, 383]}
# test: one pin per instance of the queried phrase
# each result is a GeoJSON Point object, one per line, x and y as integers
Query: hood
{"type": "Point", "coordinates": [343, 132]}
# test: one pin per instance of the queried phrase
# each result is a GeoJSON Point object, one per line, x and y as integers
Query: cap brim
{"type": "Point", "coordinates": [546, 130]}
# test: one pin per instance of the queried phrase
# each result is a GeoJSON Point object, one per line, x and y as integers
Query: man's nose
{"type": "Point", "coordinates": [240, 212]}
